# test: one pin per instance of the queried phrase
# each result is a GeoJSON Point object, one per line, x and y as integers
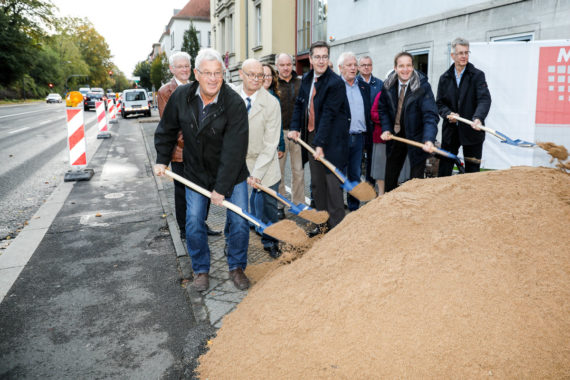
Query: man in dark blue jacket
{"type": "Point", "coordinates": [407, 109]}
{"type": "Point", "coordinates": [360, 130]}
{"type": "Point", "coordinates": [462, 91]}
{"type": "Point", "coordinates": [321, 117]}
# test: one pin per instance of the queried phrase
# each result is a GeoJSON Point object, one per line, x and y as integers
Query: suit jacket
{"type": "Point", "coordinates": [163, 95]}
{"type": "Point", "coordinates": [419, 113]}
{"type": "Point", "coordinates": [332, 116]}
{"type": "Point", "coordinates": [264, 132]}
{"type": "Point", "coordinates": [471, 100]}
{"type": "Point", "coordinates": [215, 148]}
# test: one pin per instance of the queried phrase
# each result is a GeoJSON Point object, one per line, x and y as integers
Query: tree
{"type": "Point", "coordinates": [95, 52]}
{"type": "Point", "coordinates": [142, 70]}
{"type": "Point", "coordinates": [159, 72]}
{"type": "Point", "coordinates": [191, 45]}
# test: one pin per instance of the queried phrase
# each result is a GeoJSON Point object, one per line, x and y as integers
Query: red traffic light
{"type": "Point", "coordinates": [110, 72]}
{"type": "Point", "coordinates": [50, 85]}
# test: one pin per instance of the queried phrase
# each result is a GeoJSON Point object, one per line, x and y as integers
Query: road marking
{"type": "Point", "coordinates": [21, 113]}
{"type": "Point", "coordinates": [19, 130]}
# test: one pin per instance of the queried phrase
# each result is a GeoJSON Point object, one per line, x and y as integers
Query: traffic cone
{"type": "Point", "coordinates": [101, 121]}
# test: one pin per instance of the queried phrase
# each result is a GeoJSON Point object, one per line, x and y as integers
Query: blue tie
{"type": "Point", "coordinates": [248, 107]}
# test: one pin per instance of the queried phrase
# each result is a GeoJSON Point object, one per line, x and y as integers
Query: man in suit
{"type": "Point", "coordinates": [213, 121]}
{"type": "Point", "coordinates": [462, 91]}
{"type": "Point", "coordinates": [180, 66]}
{"type": "Point", "coordinates": [360, 130]}
{"type": "Point", "coordinates": [264, 118]}
{"type": "Point", "coordinates": [321, 117]}
{"type": "Point", "coordinates": [407, 109]}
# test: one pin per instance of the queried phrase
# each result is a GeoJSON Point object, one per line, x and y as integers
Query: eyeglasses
{"type": "Point", "coordinates": [182, 67]}
{"type": "Point", "coordinates": [254, 76]}
{"type": "Point", "coordinates": [462, 53]}
{"type": "Point", "coordinates": [320, 57]}
{"type": "Point", "coordinates": [365, 65]}
{"type": "Point", "coordinates": [216, 75]}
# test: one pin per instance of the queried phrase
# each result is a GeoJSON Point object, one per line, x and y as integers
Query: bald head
{"type": "Point", "coordinates": [285, 66]}
{"type": "Point", "coordinates": [251, 74]}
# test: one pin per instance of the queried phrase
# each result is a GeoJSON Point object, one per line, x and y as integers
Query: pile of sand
{"type": "Point", "coordinates": [458, 277]}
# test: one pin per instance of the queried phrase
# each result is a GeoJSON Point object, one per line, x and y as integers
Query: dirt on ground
{"type": "Point", "coordinates": [457, 277]}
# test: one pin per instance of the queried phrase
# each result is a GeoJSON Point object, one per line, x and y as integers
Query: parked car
{"type": "Point", "coordinates": [53, 98]}
{"type": "Point", "coordinates": [135, 101]}
{"type": "Point", "coordinates": [90, 99]}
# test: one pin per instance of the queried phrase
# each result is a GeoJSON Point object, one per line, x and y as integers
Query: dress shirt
{"type": "Point", "coordinates": [357, 118]}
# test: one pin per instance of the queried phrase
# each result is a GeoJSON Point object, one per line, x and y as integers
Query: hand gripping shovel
{"type": "Point", "coordinates": [304, 211]}
{"type": "Point", "coordinates": [504, 138]}
{"type": "Point", "coordinates": [286, 230]}
{"type": "Point", "coordinates": [361, 191]}
{"type": "Point", "coordinates": [442, 152]}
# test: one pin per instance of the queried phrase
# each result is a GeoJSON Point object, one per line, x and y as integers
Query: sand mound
{"type": "Point", "coordinates": [458, 277]}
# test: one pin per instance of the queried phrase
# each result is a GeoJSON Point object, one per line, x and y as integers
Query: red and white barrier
{"type": "Point", "coordinates": [101, 121]}
{"type": "Point", "coordinates": [76, 138]}
{"type": "Point", "coordinates": [111, 110]}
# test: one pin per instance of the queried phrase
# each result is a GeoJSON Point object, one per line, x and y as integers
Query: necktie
{"type": "Point", "coordinates": [311, 124]}
{"type": "Point", "coordinates": [399, 111]}
{"type": "Point", "coordinates": [248, 107]}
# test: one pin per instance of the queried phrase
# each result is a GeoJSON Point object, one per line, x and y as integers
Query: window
{"type": "Point", "coordinates": [303, 25]}
{"type": "Point", "coordinates": [514, 37]}
{"type": "Point", "coordinates": [209, 39]}
{"type": "Point", "coordinates": [319, 20]}
{"type": "Point", "coordinates": [230, 30]}
{"type": "Point", "coordinates": [421, 60]}
{"type": "Point", "coordinates": [223, 35]}
{"type": "Point", "coordinates": [199, 36]}
{"type": "Point", "coordinates": [258, 25]}
{"type": "Point", "coordinates": [172, 40]}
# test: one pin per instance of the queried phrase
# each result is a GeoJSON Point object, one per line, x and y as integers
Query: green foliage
{"type": "Point", "coordinates": [159, 71]}
{"type": "Point", "coordinates": [191, 45]}
{"type": "Point", "coordinates": [142, 70]}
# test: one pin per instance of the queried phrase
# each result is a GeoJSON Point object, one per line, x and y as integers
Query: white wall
{"type": "Point", "coordinates": [369, 15]}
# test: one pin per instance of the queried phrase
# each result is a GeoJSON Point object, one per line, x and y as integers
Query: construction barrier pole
{"type": "Point", "coordinates": [77, 146]}
{"type": "Point", "coordinates": [101, 121]}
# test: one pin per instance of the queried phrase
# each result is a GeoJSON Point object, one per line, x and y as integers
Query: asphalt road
{"type": "Point", "coordinates": [33, 150]}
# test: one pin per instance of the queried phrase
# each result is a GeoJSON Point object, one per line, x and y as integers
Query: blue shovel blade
{"type": "Point", "coordinates": [517, 142]}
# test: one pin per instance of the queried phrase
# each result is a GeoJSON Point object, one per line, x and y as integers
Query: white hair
{"type": "Point", "coordinates": [459, 41]}
{"type": "Point", "coordinates": [364, 57]}
{"type": "Point", "coordinates": [208, 54]}
{"type": "Point", "coordinates": [344, 56]}
{"type": "Point", "coordinates": [177, 56]}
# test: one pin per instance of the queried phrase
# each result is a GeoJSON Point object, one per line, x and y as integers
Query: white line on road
{"type": "Point", "coordinates": [19, 130]}
{"type": "Point", "coordinates": [21, 113]}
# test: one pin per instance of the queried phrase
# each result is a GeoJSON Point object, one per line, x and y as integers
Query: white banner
{"type": "Point", "coordinates": [529, 84]}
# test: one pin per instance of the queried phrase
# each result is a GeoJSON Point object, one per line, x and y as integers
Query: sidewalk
{"type": "Point", "coordinates": [102, 296]}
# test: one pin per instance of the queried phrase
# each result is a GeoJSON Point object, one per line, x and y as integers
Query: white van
{"type": "Point", "coordinates": [135, 101]}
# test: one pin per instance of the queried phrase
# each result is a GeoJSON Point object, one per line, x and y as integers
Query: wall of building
{"type": "Point", "coordinates": [543, 19]}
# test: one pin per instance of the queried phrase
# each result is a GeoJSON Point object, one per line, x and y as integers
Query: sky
{"type": "Point", "coordinates": [130, 27]}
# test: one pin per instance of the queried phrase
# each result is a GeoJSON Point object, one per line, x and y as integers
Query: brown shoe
{"type": "Point", "coordinates": [239, 278]}
{"type": "Point", "coordinates": [201, 282]}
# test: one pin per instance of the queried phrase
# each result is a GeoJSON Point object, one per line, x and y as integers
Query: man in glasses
{"type": "Point", "coordinates": [321, 117]}
{"type": "Point", "coordinates": [213, 121]}
{"type": "Point", "coordinates": [264, 118]}
{"type": "Point", "coordinates": [462, 91]}
{"type": "Point", "coordinates": [179, 64]}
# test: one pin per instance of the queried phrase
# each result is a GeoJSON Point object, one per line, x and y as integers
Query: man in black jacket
{"type": "Point", "coordinates": [462, 91]}
{"type": "Point", "coordinates": [321, 117]}
{"type": "Point", "coordinates": [213, 120]}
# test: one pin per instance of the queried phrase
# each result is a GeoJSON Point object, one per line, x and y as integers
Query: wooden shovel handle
{"type": "Point", "coordinates": [271, 192]}
{"type": "Point", "coordinates": [208, 194]}
{"type": "Point", "coordinates": [486, 129]}
{"type": "Point", "coordinates": [419, 145]}
{"type": "Point", "coordinates": [325, 162]}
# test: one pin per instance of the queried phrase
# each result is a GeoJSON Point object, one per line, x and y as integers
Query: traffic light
{"type": "Point", "coordinates": [50, 85]}
{"type": "Point", "coordinates": [110, 72]}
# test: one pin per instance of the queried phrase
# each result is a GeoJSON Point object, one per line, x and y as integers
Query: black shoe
{"type": "Point", "coordinates": [280, 213]}
{"type": "Point", "coordinates": [211, 232]}
{"type": "Point", "coordinates": [273, 250]}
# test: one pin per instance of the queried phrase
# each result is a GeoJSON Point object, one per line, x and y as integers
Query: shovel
{"type": "Point", "coordinates": [504, 138]}
{"type": "Point", "coordinates": [287, 232]}
{"type": "Point", "coordinates": [441, 152]}
{"type": "Point", "coordinates": [304, 211]}
{"type": "Point", "coordinates": [361, 191]}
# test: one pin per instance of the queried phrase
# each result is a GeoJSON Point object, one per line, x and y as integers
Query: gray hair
{"type": "Point", "coordinates": [285, 54]}
{"type": "Point", "coordinates": [208, 54]}
{"type": "Point", "coordinates": [177, 56]}
{"type": "Point", "coordinates": [344, 56]}
{"type": "Point", "coordinates": [459, 41]}
{"type": "Point", "coordinates": [364, 57]}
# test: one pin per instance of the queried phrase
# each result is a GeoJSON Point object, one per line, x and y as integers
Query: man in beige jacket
{"type": "Point", "coordinates": [264, 116]}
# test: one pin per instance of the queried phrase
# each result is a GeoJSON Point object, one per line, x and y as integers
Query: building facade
{"type": "Point", "coordinates": [260, 29]}
{"type": "Point", "coordinates": [311, 26]}
{"type": "Point", "coordinates": [381, 29]}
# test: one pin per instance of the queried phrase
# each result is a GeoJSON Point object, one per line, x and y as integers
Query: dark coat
{"type": "Point", "coordinates": [375, 85]}
{"type": "Point", "coordinates": [332, 116]}
{"type": "Point", "coordinates": [471, 100]}
{"type": "Point", "coordinates": [288, 92]}
{"type": "Point", "coordinates": [365, 92]}
{"type": "Point", "coordinates": [214, 152]}
{"type": "Point", "coordinates": [419, 112]}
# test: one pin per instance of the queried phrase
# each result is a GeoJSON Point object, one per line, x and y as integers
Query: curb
{"type": "Point", "coordinates": [196, 300]}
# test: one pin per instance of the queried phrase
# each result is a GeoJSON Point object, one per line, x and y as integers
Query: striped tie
{"type": "Point", "coordinates": [248, 107]}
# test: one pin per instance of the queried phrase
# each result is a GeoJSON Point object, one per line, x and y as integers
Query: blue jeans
{"type": "Point", "coordinates": [237, 238]}
{"type": "Point", "coordinates": [354, 168]}
{"type": "Point", "coordinates": [264, 207]}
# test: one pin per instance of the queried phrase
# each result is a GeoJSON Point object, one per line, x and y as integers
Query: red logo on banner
{"type": "Point", "coordinates": [553, 90]}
